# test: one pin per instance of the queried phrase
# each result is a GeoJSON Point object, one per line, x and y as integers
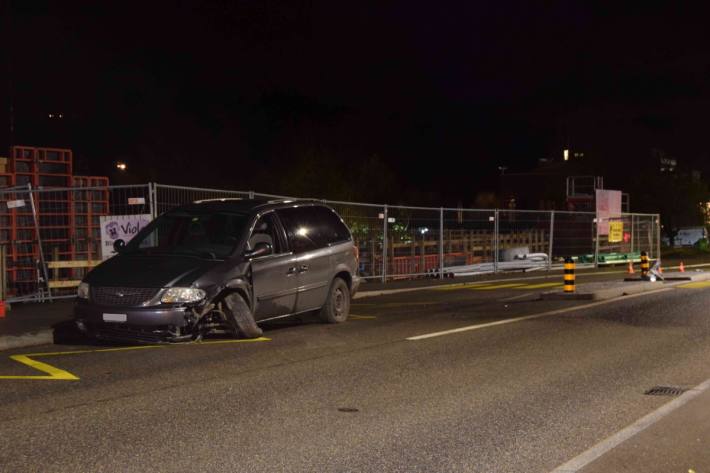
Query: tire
{"type": "Point", "coordinates": [239, 317]}
{"type": "Point", "coordinates": [337, 306]}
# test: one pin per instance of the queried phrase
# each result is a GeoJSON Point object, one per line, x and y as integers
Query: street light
{"type": "Point", "coordinates": [121, 166]}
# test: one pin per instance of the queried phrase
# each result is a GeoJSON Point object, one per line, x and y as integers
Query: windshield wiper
{"type": "Point", "coordinates": [200, 253]}
{"type": "Point", "coordinates": [173, 251]}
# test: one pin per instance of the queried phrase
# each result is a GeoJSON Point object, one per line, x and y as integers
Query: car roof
{"type": "Point", "coordinates": [246, 205]}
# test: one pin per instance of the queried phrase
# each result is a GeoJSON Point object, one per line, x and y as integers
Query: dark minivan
{"type": "Point", "coordinates": [223, 264]}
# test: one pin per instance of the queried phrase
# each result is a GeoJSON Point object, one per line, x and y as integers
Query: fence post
{"type": "Point", "coordinates": [496, 239]}
{"type": "Point", "coordinates": [3, 272]}
{"type": "Point", "coordinates": [39, 243]}
{"type": "Point", "coordinates": [551, 236]}
{"type": "Point", "coordinates": [441, 243]}
{"type": "Point", "coordinates": [384, 246]}
{"type": "Point", "coordinates": [152, 200]}
{"type": "Point", "coordinates": [596, 241]}
{"type": "Point", "coordinates": [251, 195]}
{"type": "Point", "coordinates": [658, 235]}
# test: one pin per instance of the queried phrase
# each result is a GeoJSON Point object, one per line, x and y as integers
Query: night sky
{"type": "Point", "coordinates": [416, 102]}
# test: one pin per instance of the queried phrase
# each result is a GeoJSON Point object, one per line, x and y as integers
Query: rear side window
{"type": "Point", "coordinates": [334, 229]}
{"type": "Point", "coordinates": [312, 227]}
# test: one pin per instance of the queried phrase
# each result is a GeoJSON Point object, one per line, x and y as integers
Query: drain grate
{"type": "Point", "coordinates": [665, 391]}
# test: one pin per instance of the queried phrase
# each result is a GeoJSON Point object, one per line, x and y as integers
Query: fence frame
{"type": "Point", "coordinates": [489, 220]}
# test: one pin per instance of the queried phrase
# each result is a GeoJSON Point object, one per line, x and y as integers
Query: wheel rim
{"type": "Point", "coordinates": [339, 302]}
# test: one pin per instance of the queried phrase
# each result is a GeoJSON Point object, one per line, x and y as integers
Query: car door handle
{"type": "Point", "coordinates": [291, 270]}
{"type": "Point", "coordinates": [303, 268]}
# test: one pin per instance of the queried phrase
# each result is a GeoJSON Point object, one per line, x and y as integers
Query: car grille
{"type": "Point", "coordinates": [129, 334]}
{"type": "Point", "coordinates": [122, 296]}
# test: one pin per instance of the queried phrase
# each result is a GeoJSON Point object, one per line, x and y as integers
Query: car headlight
{"type": "Point", "coordinates": [82, 292]}
{"type": "Point", "coordinates": [176, 295]}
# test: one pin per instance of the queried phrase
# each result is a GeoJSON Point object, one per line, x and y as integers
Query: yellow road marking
{"type": "Point", "coordinates": [542, 285]}
{"type": "Point", "coordinates": [399, 304]}
{"type": "Point", "coordinates": [456, 287]}
{"type": "Point", "coordinates": [244, 340]}
{"type": "Point", "coordinates": [695, 285]}
{"type": "Point", "coordinates": [497, 286]}
{"type": "Point", "coordinates": [54, 373]}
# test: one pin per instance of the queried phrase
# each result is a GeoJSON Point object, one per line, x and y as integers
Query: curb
{"type": "Point", "coordinates": [385, 292]}
{"type": "Point", "coordinates": [42, 337]}
{"type": "Point", "coordinates": [621, 289]}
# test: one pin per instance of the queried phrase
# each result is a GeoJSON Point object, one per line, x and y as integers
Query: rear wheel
{"type": "Point", "coordinates": [337, 307]}
{"type": "Point", "coordinates": [239, 316]}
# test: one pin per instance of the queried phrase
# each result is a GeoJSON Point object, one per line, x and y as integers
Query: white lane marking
{"type": "Point", "coordinates": [519, 296]}
{"type": "Point", "coordinates": [582, 460]}
{"type": "Point", "coordinates": [533, 316]}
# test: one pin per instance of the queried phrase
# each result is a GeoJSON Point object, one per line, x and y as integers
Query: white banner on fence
{"type": "Point", "coordinates": [608, 206]}
{"type": "Point", "coordinates": [115, 227]}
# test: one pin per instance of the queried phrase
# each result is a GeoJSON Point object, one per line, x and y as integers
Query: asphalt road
{"type": "Point", "coordinates": [523, 396]}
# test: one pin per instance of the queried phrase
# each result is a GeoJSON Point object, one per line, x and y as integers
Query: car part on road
{"type": "Point", "coordinates": [337, 306]}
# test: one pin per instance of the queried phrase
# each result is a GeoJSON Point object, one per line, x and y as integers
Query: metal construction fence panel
{"type": "Point", "coordinates": [414, 237]}
{"type": "Point", "coordinates": [469, 241]}
{"type": "Point", "coordinates": [573, 235]}
{"type": "Point", "coordinates": [53, 236]}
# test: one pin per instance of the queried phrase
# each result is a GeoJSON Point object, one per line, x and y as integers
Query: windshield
{"type": "Point", "coordinates": [203, 234]}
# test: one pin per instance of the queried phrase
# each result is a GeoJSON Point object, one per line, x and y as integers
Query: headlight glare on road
{"type": "Point", "coordinates": [176, 295]}
{"type": "Point", "coordinates": [82, 292]}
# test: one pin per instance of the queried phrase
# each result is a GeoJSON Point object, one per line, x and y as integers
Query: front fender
{"type": "Point", "coordinates": [241, 285]}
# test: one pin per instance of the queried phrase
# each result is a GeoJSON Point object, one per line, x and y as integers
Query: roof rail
{"type": "Point", "coordinates": [223, 199]}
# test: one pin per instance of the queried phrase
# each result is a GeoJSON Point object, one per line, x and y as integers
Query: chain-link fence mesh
{"type": "Point", "coordinates": [573, 234]}
{"type": "Point", "coordinates": [52, 237]}
{"type": "Point", "coordinates": [469, 240]}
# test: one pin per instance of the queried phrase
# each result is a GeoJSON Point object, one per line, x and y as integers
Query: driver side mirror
{"type": "Point", "coordinates": [119, 245]}
{"type": "Point", "coordinates": [260, 249]}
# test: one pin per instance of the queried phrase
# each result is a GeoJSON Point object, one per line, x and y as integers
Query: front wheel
{"type": "Point", "coordinates": [239, 316]}
{"type": "Point", "coordinates": [337, 305]}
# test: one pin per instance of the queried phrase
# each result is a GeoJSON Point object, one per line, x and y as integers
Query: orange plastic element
{"type": "Point", "coordinates": [2, 309]}
{"type": "Point", "coordinates": [682, 267]}
{"type": "Point", "coordinates": [631, 268]}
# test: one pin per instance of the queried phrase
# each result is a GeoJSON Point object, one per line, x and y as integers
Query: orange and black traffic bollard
{"type": "Point", "coordinates": [569, 274]}
{"type": "Point", "coordinates": [645, 265]}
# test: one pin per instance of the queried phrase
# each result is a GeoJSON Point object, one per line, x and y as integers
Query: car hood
{"type": "Point", "coordinates": [150, 271]}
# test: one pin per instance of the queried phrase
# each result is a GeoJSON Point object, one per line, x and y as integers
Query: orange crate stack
{"type": "Point", "coordinates": [68, 218]}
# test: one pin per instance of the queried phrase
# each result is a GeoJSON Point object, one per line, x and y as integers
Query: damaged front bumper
{"type": "Point", "coordinates": [138, 325]}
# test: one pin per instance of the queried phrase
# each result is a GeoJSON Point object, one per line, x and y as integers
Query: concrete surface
{"type": "Point", "coordinates": [617, 288]}
{"type": "Point", "coordinates": [359, 397]}
{"type": "Point", "coordinates": [29, 324]}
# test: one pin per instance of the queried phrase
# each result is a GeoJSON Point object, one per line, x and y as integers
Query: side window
{"type": "Point", "coordinates": [302, 229]}
{"type": "Point", "coordinates": [311, 227]}
{"type": "Point", "coordinates": [332, 228]}
{"type": "Point", "coordinates": [266, 231]}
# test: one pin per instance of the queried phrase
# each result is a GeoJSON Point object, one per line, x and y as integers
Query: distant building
{"type": "Point", "coordinates": [554, 185]}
